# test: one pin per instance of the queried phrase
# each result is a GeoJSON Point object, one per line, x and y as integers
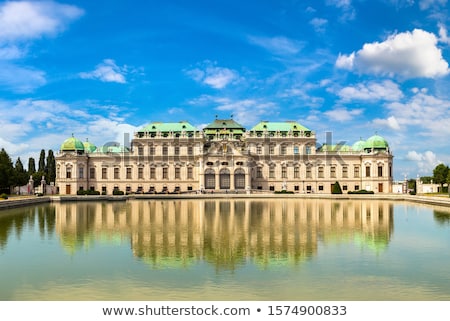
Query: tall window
{"type": "Point", "coordinates": [190, 150]}
{"type": "Point", "coordinates": [308, 172]}
{"type": "Point", "coordinates": [152, 150]}
{"type": "Point", "coordinates": [141, 151]}
{"type": "Point", "coordinates": [69, 172]}
{"type": "Point", "coordinates": [190, 174]}
{"type": "Point", "coordinates": [296, 150]}
{"type": "Point", "coordinates": [116, 173]}
{"type": "Point", "coordinates": [177, 173]}
{"type": "Point", "coordinates": [356, 171]}
{"type": "Point", "coordinates": [140, 172]}
{"type": "Point", "coordinates": [92, 173]}
{"type": "Point", "coordinates": [259, 172]}
{"type": "Point", "coordinates": [296, 172]}
{"type": "Point", "coordinates": [344, 171]}
{"type": "Point", "coordinates": [259, 149]}
{"type": "Point", "coordinates": [321, 172]}
{"type": "Point", "coordinates": [272, 149]}
{"type": "Point", "coordinates": [165, 173]}
{"type": "Point", "coordinates": [272, 172]}
{"type": "Point", "coordinates": [283, 149]}
{"type": "Point", "coordinates": [284, 172]}
{"type": "Point", "coordinates": [367, 171]}
{"type": "Point", "coordinates": [177, 150]}
{"type": "Point", "coordinates": [152, 173]}
{"type": "Point", "coordinates": [81, 172]}
{"type": "Point", "coordinates": [380, 171]}
{"type": "Point", "coordinates": [308, 149]}
{"type": "Point", "coordinates": [165, 150]}
{"type": "Point", "coordinates": [104, 173]}
{"type": "Point", "coordinates": [128, 172]}
{"type": "Point", "coordinates": [333, 171]}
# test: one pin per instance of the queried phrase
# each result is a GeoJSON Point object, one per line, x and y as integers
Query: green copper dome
{"type": "Point", "coordinates": [72, 144]}
{"type": "Point", "coordinates": [89, 147]}
{"type": "Point", "coordinates": [376, 142]}
{"type": "Point", "coordinates": [359, 145]}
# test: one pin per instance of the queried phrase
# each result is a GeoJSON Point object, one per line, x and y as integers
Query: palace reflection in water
{"type": "Point", "coordinates": [225, 233]}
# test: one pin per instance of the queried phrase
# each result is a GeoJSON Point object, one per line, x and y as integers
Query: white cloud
{"type": "Point", "coordinates": [280, 45]}
{"type": "Point", "coordinates": [22, 20]}
{"type": "Point", "coordinates": [390, 122]}
{"type": "Point", "coordinates": [107, 71]}
{"type": "Point", "coordinates": [407, 55]}
{"type": "Point", "coordinates": [210, 74]}
{"type": "Point", "coordinates": [425, 162]}
{"type": "Point", "coordinates": [443, 36]}
{"type": "Point", "coordinates": [319, 24]}
{"type": "Point", "coordinates": [342, 114]}
{"type": "Point", "coordinates": [248, 111]}
{"type": "Point", "coordinates": [20, 79]}
{"type": "Point", "coordinates": [347, 11]}
{"type": "Point", "coordinates": [426, 4]}
{"type": "Point", "coordinates": [372, 91]}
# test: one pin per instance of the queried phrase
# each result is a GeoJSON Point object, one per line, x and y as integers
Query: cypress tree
{"type": "Point", "coordinates": [336, 188]}
{"type": "Point", "coordinates": [51, 166]}
{"type": "Point", "coordinates": [21, 176]}
{"type": "Point", "coordinates": [6, 172]}
{"type": "Point", "coordinates": [42, 161]}
{"type": "Point", "coordinates": [31, 166]}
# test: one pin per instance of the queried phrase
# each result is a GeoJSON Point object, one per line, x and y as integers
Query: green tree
{"type": "Point", "coordinates": [440, 174]}
{"type": "Point", "coordinates": [426, 179]}
{"type": "Point", "coordinates": [21, 176]}
{"type": "Point", "coordinates": [336, 188]}
{"type": "Point", "coordinates": [6, 172]}
{"type": "Point", "coordinates": [51, 166]}
{"type": "Point", "coordinates": [31, 166]}
{"type": "Point", "coordinates": [41, 167]}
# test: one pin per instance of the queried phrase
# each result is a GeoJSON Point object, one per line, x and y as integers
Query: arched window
{"type": "Point", "coordinates": [210, 179]}
{"type": "Point", "coordinates": [239, 179]}
{"type": "Point", "coordinates": [224, 178]}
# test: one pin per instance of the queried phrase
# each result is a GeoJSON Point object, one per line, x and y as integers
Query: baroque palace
{"type": "Point", "coordinates": [224, 157]}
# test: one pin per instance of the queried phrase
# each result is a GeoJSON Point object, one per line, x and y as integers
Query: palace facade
{"type": "Point", "coordinates": [224, 157]}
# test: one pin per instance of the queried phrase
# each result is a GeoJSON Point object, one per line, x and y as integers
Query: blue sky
{"type": "Point", "coordinates": [99, 69]}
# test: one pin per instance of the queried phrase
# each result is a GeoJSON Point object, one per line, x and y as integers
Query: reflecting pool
{"type": "Point", "coordinates": [225, 250]}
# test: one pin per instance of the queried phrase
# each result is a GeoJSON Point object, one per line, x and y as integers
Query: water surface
{"type": "Point", "coordinates": [225, 250]}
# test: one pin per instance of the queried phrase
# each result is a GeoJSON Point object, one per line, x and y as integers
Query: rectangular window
{"type": "Point", "coordinates": [152, 150]}
{"type": "Point", "coordinates": [104, 173]}
{"type": "Point", "coordinates": [259, 172]}
{"type": "Point", "coordinates": [81, 172]}
{"type": "Point", "coordinates": [190, 174]}
{"type": "Point", "coordinates": [141, 151]}
{"type": "Point", "coordinates": [308, 150]}
{"type": "Point", "coordinates": [165, 150]}
{"type": "Point", "coordinates": [296, 172]}
{"type": "Point", "coordinates": [283, 149]}
{"type": "Point", "coordinates": [92, 173]}
{"type": "Point", "coordinates": [320, 187]}
{"type": "Point", "coordinates": [296, 150]}
{"type": "Point", "coordinates": [283, 172]}
{"type": "Point", "coordinates": [152, 173]}
{"type": "Point", "coordinates": [165, 173]}
{"type": "Point", "coordinates": [177, 173]}
{"type": "Point", "coordinates": [116, 173]}
{"type": "Point", "coordinates": [190, 150]}
{"type": "Point", "coordinates": [140, 172]}
{"type": "Point", "coordinates": [308, 172]}
{"type": "Point", "coordinates": [272, 149]}
{"type": "Point", "coordinates": [380, 171]}
{"type": "Point", "coordinates": [259, 150]}
{"type": "Point", "coordinates": [356, 171]}
{"type": "Point", "coordinates": [272, 172]}
{"type": "Point", "coordinates": [344, 187]}
{"type": "Point", "coordinates": [367, 171]}
{"type": "Point", "coordinates": [333, 171]}
{"type": "Point", "coordinates": [356, 187]}
{"type": "Point", "coordinates": [128, 172]}
{"type": "Point", "coordinates": [69, 173]}
{"type": "Point", "coordinates": [177, 150]}
{"type": "Point", "coordinates": [345, 172]}
{"type": "Point", "coordinates": [320, 172]}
